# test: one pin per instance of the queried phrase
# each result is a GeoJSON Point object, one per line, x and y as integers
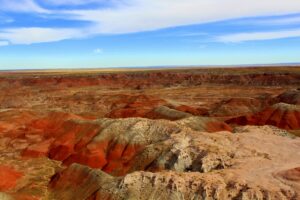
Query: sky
{"type": "Point", "coordinates": [42, 34]}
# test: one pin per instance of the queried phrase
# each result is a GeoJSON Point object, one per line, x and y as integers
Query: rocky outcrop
{"type": "Point", "coordinates": [198, 165]}
{"type": "Point", "coordinates": [79, 182]}
{"type": "Point", "coordinates": [289, 97]}
{"type": "Point", "coordinates": [240, 106]}
{"type": "Point", "coordinates": [282, 115]}
{"type": "Point", "coordinates": [138, 158]}
{"type": "Point", "coordinates": [207, 124]}
{"type": "Point", "coordinates": [113, 145]}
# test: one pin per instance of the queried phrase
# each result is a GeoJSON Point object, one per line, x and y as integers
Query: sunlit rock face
{"type": "Point", "coordinates": [282, 115]}
{"type": "Point", "coordinates": [162, 134]}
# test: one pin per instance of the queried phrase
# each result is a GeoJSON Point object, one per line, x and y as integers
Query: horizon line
{"type": "Point", "coordinates": [297, 64]}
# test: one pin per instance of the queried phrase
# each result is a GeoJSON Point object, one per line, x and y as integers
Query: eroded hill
{"type": "Point", "coordinates": [158, 134]}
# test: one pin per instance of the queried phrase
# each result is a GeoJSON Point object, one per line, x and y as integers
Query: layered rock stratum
{"type": "Point", "coordinates": [158, 134]}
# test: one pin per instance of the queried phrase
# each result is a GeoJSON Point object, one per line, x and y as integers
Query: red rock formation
{"type": "Point", "coordinates": [98, 143]}
{"type": "Point", "coordinates": [192, 110]}
{"type": "Point", "coordinates": [282, 115]}
{"type": "Point", "coordinates": [291, 174]}
{"type": "Point", "coordinates": [40, 149]}
{"type": "Point", "coordinates": [228, 166]}
{"type": "Point", "coordinates": [239, 106]}
{"type": "Point", "coordinates": [290, 97]}
{"type": "Point", "coordinates": [216, 126]}
{"type": "Point", "coordinates": [8, 177]}
{"type": "Point", "coordinates": [78, 182]}
{"type": "Point", "coordinates": [134, 106]}
{"type": "Point", "coordinates": [62, 137]}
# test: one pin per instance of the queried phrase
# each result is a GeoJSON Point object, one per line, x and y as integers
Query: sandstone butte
{"type": "Point", "coordinates": [157, 134]}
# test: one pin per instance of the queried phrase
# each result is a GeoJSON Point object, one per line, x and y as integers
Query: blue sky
{"type": "Point", "coordinates": [122, 33]}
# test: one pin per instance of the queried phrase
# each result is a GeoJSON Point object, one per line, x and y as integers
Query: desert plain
{"type": "Point", "coordinates": [180, 133]}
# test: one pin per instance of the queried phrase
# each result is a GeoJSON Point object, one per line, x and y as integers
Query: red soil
{"type": "Point", "coordinates": [61, 137]}
{"type": "Point", "coordinates": [191, 110]}
{"type": "Point", "coordinates": [291, 174]}
{"type": "Point", "coordinates": [216, 126]}
{"type": "Point", "coordinates": [8, 177]}
{"type": "Point", "coordinates": [134, 106]}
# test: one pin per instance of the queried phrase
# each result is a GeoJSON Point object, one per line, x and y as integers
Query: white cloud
{"type": "Point", "coordinates": [145, 15]}
{"type": "Point", "coordinates": [98, 51]}
{"type": "Point", "coordinates": [137, 15]}
{"type": "Point", "coordinates": [21, 6]}
{"type": "Point", "coordinates": [254, 36]}
{"type": "Point", "coordinates": [4, 43]}
{"type": "Point", "coordinates": [38, 35]}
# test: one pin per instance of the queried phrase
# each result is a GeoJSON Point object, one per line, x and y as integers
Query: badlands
{"type": "Point", "coordinates": [169, 134]}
